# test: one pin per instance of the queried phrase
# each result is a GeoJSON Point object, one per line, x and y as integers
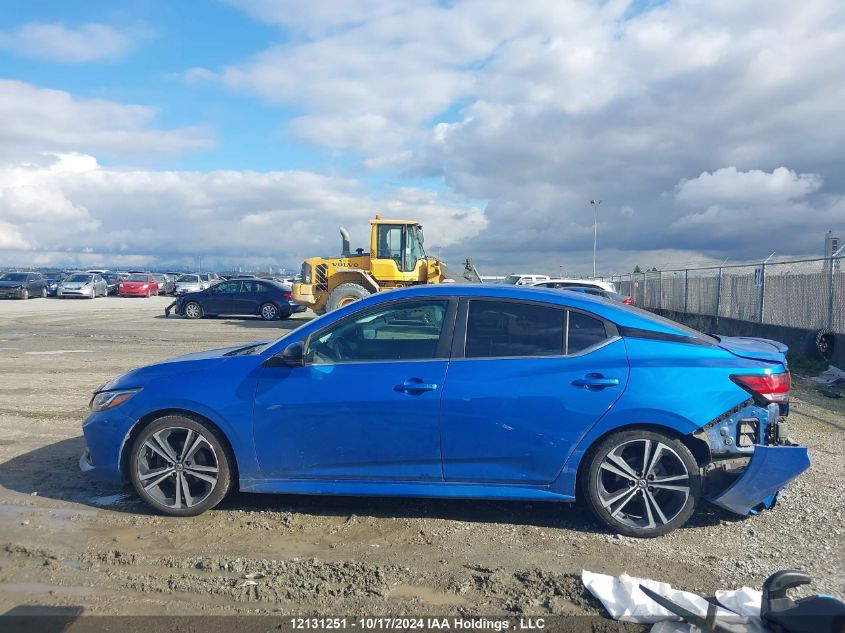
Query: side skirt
{"type": "Point", "coordinates": [446, 490]}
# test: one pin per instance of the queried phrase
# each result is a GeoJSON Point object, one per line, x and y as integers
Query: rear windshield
{"type": "Point", "coordinates": [674, 325]}
{"type": "Point", "coordinates": [188, 279]}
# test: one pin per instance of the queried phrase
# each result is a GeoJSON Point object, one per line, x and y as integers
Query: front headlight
{"type": "Point", "coordinates": [110, 399]}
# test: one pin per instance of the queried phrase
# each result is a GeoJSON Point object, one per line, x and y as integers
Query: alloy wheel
{"type": "Point", "coordinates": [643, 483]}
{"type": "Point", "coordinates": [269, 312]}
{"type": "Point", "coordinates": [177, 467]}
{"type": "Point", "coordinates": [192, 311]}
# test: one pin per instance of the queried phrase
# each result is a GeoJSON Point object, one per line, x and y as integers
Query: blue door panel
{"type": "Point", "coordinates": [516, 420]}
{"type": "Point", "coordinates": [348, 421]}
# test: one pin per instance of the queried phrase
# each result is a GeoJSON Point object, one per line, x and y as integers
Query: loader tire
{"type": "Point", "coordinates": [345, 294]}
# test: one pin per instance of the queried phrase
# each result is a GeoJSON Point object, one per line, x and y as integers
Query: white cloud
{"type": "Point", "coordinates": [75, 210]}
{"type": "Point", "coordinates": [733, 187]}
{"type": "Point", "coordinates": [68, 45]}
{"type": "Point", "coordinates": [36, 119]}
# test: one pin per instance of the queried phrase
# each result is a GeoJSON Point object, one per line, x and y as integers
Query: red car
{"type": "Point", "coordinates": [138, 285]}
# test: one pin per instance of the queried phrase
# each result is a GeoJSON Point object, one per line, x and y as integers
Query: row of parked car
{"type": "Point", "coordinates": [91, 284]}
{"type": "Point", "coordinates": [594, 287]}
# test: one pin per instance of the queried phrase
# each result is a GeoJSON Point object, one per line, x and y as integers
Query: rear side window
{"type": "Point", "coordinates": [584, 332]}
{"type": "Point", "coordinates": [504, 328]}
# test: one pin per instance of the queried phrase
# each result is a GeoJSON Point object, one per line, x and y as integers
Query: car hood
{"type": "Point", "coordinates": [198, 361]}
{"type": "Point", "coordinates": [754, 348]}
{"type": "Point", "coordinates": [11, 284]}
{"type": "Point", "coordinates": [75, 284]}
{"type": "Point", "coordinates": [136, 283]}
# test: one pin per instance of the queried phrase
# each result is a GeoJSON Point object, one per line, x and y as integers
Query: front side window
{"type": "Point", "coordinates": [407, 331]}
{"type": "Point", "coordinates": [226, 287]}
{"type": "Point", "coordinates": [505, 328]}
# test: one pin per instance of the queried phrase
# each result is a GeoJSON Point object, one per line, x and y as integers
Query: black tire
{"type": "Point", "coordinates": [651, 507]}
{"type": "Point", "coordinates": [25, 294]}
{"type": "Point", "coordinates": [146, 466]}
{"type": "Point", "coordinates": [193, 313]}
{"type": "Point", "coordinates": [344, 294]}
{"type": "Point", "coordinates": [268, 311]}
{"type": "Point", "coordinates": [819, 344]}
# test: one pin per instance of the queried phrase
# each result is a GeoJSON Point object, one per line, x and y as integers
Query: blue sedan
{"type": "Point", "coordinates": [485, 392]}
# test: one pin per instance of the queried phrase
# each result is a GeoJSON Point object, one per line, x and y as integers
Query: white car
{"type": "Point", "coordinates": [87, 285]}
{"type": "Point", "coordinates": [564, 283]}
{"type": "Point", "coordinates": [191, 283]}
{"type": "Point", "coordinates": [515, 279]}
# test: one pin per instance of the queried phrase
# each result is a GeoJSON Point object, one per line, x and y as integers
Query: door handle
{"type": "Point", "coordinates": [595, 381]}
{"type": "Point", "coordinates": [415, 385]}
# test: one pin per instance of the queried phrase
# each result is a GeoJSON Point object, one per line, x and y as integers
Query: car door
{"type": "Point", "coordinates": [365, 404]}
{"type": "Point", "coordinates": [222, 298]}
{"type": "Point", "coordinates": [252, 295]}
{"type": "Point", "coordinates": [525, 382]}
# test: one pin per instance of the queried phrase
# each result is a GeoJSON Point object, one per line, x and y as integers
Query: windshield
{"type": "Point", "coordinates": [109, 277]}
{"type": "Point", "coordinates": [512, 280]}
{"type": "Point", "coordinates": [188, 279]}
{"type": "Point", "coordinates": [82, 279]}
{"type": "Point", "coordinates": [159, 277]}
{"type": "Point", "coordinates": [13, 277]}
{"type": "Point", "coordinates": [137, 278]}
{"type": "Point", "coordinates": [415, 244]}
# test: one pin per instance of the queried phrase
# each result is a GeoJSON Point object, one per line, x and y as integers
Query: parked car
{"type": "Point", "coordinates": [252, 296]}
{"type": "Point", "coordinates": [87, 285]}
{"type": "Point", "coordinates": [112, 281]}
{"type": "Point", "coordinates": [559, 284]}
{"type": "Point", "coordinates": [462, 391]}
{"type": "Point", "coordinates": [192, 282]}
{"type": "Point", "coordinates": [22, 285]}
{"type": "Point", "coordinates": [173, 277]}
{"type": "Point", "coordinates": [599, 292]}
{"type": "Point", "coordinates": [515, 279]}
{"type": "Point", "coordinates": [138, 285]}
{"type": "Point", "coordinates": [53, 280]}
{"type": "Point", "coordinates": [165, 285]}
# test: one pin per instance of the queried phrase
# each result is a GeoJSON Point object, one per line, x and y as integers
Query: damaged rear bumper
{"type": "Point", "coordinates": [769, 470]}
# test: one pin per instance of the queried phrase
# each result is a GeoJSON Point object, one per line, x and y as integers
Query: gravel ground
{"type": "Point", "coordinates": [65, 541]}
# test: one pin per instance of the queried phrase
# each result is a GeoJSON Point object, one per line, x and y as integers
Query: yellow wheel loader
{"type": "Point", "coordinates": [396, 259]}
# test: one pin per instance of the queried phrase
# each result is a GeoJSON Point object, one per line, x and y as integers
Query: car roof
{"type": "Point", "coordinates": [617, 313]}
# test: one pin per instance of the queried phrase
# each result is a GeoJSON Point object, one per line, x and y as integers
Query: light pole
{"type": "Point", "coordinates": [595, 203]}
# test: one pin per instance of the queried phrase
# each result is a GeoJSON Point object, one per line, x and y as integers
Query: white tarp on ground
{"type": "Point", "coordinates": [623, 599]}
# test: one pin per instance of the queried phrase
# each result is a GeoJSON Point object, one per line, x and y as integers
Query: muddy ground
{"type": "Point", "coordinates": [65, 541]}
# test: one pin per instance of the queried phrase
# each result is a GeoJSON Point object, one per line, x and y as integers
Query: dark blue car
{"type": "Point", "coordinates": [486, 392]}
{"type": "Point", "coordinates": [266, 298]}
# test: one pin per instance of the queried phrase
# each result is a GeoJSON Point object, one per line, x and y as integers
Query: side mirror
{"type": "Point", "coordinates": [292, 356]}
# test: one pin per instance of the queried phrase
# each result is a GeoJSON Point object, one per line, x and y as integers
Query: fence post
{"type": "Point", "coordinates": [719, 294]}
{"type": "Point", "coordinates": [686, 290]}
{"type": "Point", "coordinates": [660, 289]}
{"type": "Point", "coordinates": [645, 290]}
{"type": "Point", "coordinates": [830, 293]}
{"type": "Point", "coordinates": [762, 289]}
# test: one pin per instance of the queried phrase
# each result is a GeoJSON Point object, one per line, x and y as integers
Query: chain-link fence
{"type": "Point", "coordinates": [807, 293]}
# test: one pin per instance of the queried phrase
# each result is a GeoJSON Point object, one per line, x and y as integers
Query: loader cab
{"type": "Point", "coordinates": [396, 242]}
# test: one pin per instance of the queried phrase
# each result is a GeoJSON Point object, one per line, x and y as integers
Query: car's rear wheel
{"type": "Point", "coordinates": [269, 312]}
{"type": "Point", "coordinates": [179, 467]}
{"type": "Point", "coordinates": [641, 483]}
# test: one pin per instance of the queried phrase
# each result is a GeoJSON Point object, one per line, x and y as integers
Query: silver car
{"type": "Point", "coordinates": [87, 285]}
{"type": "Point", "coordinates": [191, 283]}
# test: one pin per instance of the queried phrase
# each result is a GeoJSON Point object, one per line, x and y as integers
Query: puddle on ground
{"type": "Point", "coordinates": [11, 510]}
{"type": "Point", "coordinates": [425, 594]}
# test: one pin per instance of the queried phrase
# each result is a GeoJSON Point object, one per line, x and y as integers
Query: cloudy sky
{"type": "Point", "coordinates": [246, 131]}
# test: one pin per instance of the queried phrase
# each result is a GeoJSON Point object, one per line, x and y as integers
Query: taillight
{"type": "Point", "coordinates": [769, 387]}
{"type": "Point", "coordinates": [287, 295]}
{"type": "Point", "coordinates": [628, 301]}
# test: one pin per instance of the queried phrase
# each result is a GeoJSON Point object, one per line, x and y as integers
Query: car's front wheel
{"type": "Point", "coordinates": [179, 467]}
{"type": "Point", "coordinates": [641, 483]}
{"type": "Point", "coordinates": [193, 310]}
{"type": "Point", "coordinates": [269, 312]}
{"type": "Point", "coordinates": [25, 294]}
